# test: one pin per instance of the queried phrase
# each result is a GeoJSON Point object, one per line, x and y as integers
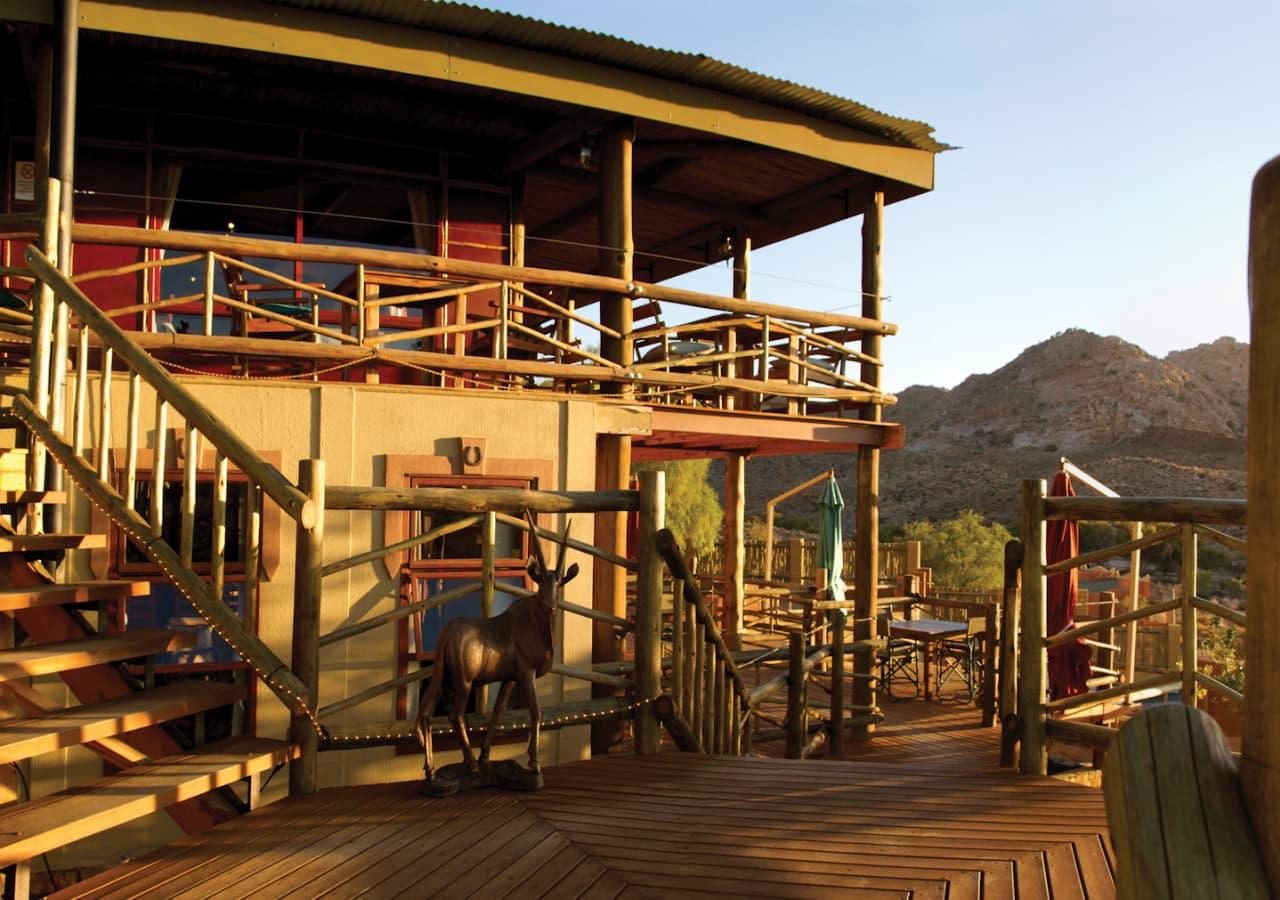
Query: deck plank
{"type": "Point", "coordinates": [683, 824]}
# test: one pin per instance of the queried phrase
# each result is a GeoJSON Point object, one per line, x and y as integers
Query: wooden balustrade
{"type": "Point", "coordinates": [707, 701]}
{"type": "Point", "coordinates": [532, 337]}
{"type": "Point", "coordinates": [58, 299]}
{"type": "Point", "coordinates": [1037, 716]}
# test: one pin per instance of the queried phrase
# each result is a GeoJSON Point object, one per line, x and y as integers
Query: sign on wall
{"type": "Point", "coordinates": [24, 180]}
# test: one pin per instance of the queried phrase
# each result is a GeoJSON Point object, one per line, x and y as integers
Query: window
{"type": "Point", "coordinates": [448, 563]}
{"type": "Point", "coordinates": [166, 607]}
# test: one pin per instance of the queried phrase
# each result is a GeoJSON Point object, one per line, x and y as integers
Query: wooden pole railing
{"type": "Point", "coordinates": [477, 507]}
{"type": "Point", "coordinates": [1037, 715]}
{"type": "Point", "coordinates": [816, 362]}
{"type": "Point", "coordinates": [706, 690]}
{"type": "Point", "coordinates": [196, 414]}
{"type": "Point", "coordinates": [97, 480]}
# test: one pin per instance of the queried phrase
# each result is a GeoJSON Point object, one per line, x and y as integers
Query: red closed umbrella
{"type": "Point", "coordinates": [1069, 667]}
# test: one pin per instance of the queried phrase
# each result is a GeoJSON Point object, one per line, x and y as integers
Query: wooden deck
{"type": "Point", "coordinates": [921, 811]}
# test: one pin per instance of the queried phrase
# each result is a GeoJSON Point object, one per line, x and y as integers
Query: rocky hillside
{"type": "Point", "coordinates": [1143, 425]}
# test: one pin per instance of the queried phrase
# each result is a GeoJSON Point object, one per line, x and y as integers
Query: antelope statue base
{"type": "Point", "coordinates": [512, 648]}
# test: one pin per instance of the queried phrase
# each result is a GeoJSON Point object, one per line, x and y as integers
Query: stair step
{"type": "Point", "coordinates": [78, 592]}
{"type": "Point", "coordinates": [29, 829]}
{"type": "Point", "coordinates": [39, 543]}
{"type": "Point", "coordinates": [25, 662]}
{"type": "Point", "coordinates": [22, 498]}
{"type": "Point", "coordinates": [25, 738]}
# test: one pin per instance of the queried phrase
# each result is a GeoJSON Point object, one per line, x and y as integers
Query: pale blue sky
{"type": "Point", "coordinates": [1102, 182]}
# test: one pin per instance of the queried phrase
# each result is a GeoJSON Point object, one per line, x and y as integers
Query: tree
{"type": "Point", "coordinates": [965, 553]}
{"type": "Point", "coordinates": [694, 513]}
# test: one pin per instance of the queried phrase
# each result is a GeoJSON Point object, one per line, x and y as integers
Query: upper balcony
{"type": "Point", "coordinates": [254, 308]}
{"type": "Point", "coordinates": [462, 199]}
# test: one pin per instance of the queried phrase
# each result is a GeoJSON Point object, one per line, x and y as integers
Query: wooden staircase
{"type": "Point", "coordinates": [116, 720]}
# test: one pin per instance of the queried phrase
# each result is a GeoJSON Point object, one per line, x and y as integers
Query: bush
{"type": "Point", "coordinates": [694, 513]}
{"type": "Point", "coordinates": [966, 553]}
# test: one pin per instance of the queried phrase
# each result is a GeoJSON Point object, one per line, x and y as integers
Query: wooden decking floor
{"type": "Point", "coordinates": [920, 811]}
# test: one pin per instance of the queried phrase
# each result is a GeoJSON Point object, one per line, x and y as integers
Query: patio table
{"type": "Point", "coordinates": [926, 632]}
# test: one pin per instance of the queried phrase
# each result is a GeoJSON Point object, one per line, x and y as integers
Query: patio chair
{"type": "Point", "coordinates": [899, 659]}
{"type": "Point", "coordinates": [963, 656]}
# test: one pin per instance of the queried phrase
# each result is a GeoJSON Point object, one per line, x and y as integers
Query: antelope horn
{"type": "Point", "coordinates": [564, 551]}
{"type": "Point", "coordinates": [535, 540]}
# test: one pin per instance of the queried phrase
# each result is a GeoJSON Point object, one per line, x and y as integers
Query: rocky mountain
{"type": "Point", "coordinates": [1143, 425]}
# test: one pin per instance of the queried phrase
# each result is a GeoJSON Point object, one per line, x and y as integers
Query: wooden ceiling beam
{"type": "Point", "coordinates": [826, 189]}
{"type": "Point", "coordinates": [548, 141]}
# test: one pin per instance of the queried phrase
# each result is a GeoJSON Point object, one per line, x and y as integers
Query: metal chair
{"type": "Point", "coordinates": [899, 658]}
{"type": "Point", "coordinates": [963, 656]}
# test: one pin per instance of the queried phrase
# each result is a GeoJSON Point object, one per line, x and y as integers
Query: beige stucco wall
{"type": "Point", "coordinates": [353, 427]}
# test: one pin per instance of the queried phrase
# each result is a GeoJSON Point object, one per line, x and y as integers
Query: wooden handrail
{"type": "Point", "coordinates": [251, 648]}
{"type": "Point", "coordinates": [398, 259]}
{"type": "Point", "coordinates": [1145, 509]}
{"type": "Point", "coordinates": [479, 500]}
{"type": "Point", "coordinates": [670, 552]}
{"type": "Point", "coordinates": [1133, 615]}
{"type": "Point", "coordinates": [1084, 559]}
{"type": "Point", "coordinates": [294, 502]}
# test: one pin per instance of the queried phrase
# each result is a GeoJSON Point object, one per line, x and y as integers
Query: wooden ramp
{"type": "Point", "coordinates": [667, 825]}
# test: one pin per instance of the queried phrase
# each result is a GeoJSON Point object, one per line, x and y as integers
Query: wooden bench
{"type": "Point", "coordinates": [1174, 805]}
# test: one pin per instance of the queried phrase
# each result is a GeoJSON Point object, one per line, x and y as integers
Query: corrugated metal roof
{"type": "Point", "coordinates": [468, 21]}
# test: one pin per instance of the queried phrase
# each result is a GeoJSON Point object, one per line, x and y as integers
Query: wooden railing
{"type": "Point", "coordinates": [488, 326]}
{"type": "Point", "coordinates": [707, 702]}
{"type": "Point", "coordinates": [1067, 718]}
{"type": "Point", "coordinates": [485, 509]}
{"type": "Point", "coordinates": [63, 313]}
{"type": "Point", "coordinates": [795, 561]}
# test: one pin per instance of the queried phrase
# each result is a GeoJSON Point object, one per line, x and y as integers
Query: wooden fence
{"type": "Point", "coordinates": [476, 325]}
{"type": "Point", "coordinates": [1079, 718]}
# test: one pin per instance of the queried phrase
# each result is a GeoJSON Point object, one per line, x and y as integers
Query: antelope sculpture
{"type": "Point", "coordinates": [514, 647]}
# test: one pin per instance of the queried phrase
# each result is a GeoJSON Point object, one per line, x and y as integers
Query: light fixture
{"type": "Point", "coordinates": [725, 247]}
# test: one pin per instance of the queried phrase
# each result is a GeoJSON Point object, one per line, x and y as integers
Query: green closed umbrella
{"type": "Point", "coordinates": [831, 538]}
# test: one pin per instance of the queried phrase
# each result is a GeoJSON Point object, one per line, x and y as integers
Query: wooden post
{"type": "Point", "coordinates": [795, 561]}
{"type": "Point", "coordinates": [617, 244]}
{"type": "Point", "coordinates": [1260, 766]}
{"type": "Point", "coordinates": [721, 706]}
{"type": "Point", "coordinates": [867, 522]}
{"type": "Point", "coordinates": [1008, 682]}
{"type": "Point", "coordinates": [648, 637]}
{"type": "Point", "coordinates": [609, 582]}
{"type": "Point", "coordinates": [1189, 554]}
{"type": "Point", "coordinates": [708, 691]}
{"type": "Point", "coordinates": [990, 652]}
{"type": "Point", "coordinates": [735, 489]}
{"type": "Point", "coordinates": [678, 608]}
{"type": "Point", "coordinates": [837, 683]}
{"type": "Point", "coordinates": [697, 687]}
{"type": "Point", "coordinates": [613, 451]}
{"type": "Point", "coordinates": [740, 368]}
{"type": "Point", "coordinates": [488, 549]}
{"type": "Point", "coordinates": [797, 715]}
{"type": "Point", "coordinates": [1033, 671]}
{"type": "Point", "coordinates": [307, 593]}
{"type": "Point", "coordinates": [1135, 585]}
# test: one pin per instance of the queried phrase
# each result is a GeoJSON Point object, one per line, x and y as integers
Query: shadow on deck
{"type": "Point", "coordinates": [920, 811]}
